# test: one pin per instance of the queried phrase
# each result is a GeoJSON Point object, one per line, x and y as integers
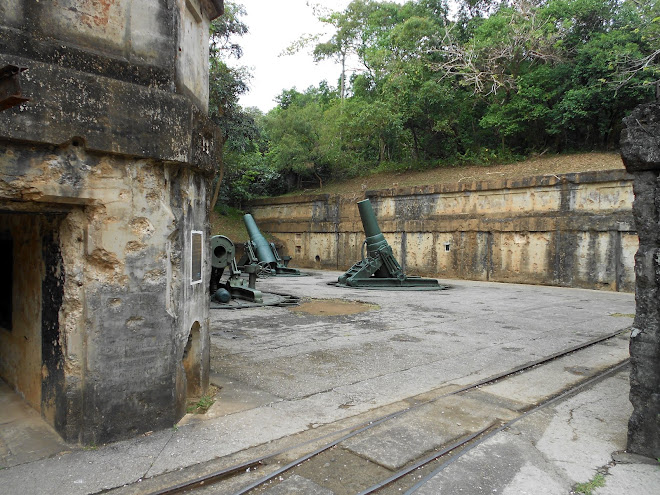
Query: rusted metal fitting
{"type": "Point", "coordinates": [10, 87]}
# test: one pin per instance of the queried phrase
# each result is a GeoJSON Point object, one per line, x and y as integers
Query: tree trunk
{"type": "Point", "coordinates": [342, 91]}
{"type": "Point", "coordinates": [221, 174]}
{"type": "Point", "coordinates": [415, 144]}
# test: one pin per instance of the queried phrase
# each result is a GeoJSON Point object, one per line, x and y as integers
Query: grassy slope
{"type": "Point", "coordinates": [232, 226]}
{"type": "Point", "coordinates": [229, 224]}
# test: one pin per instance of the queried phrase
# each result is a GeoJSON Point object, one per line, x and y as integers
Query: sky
{"type": "Point", "coordinates": [273, 26]}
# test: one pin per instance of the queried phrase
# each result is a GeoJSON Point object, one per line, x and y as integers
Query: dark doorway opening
{"type": "Point", "coordinates": [6, 279]}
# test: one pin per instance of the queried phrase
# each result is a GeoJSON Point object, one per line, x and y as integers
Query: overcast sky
{"type": "Point", "coordinates": [274, 25]}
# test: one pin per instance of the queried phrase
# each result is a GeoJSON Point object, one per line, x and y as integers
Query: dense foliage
{"type": "Point", "coordinates": [497, 80]}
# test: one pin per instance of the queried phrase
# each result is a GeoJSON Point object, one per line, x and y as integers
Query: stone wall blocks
{"type": "Point", "coordinates": [108, 144]}
{"type": "Point", "coordinates": [643, 325]}
{"type": "Point", "coordinates": [645, 267]}
{"type": "Point", "coordinates": [141, 227]}
{"type": "Point", "coordinates": [547, 181]}
{"type": "Point", "coordinates": [642, 379]}
{"type": "Point", "coordinates": [646, 333]}
{"type": "Point", "coordinates": [647, 226]}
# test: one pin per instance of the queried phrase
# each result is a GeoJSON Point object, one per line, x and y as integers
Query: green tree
{"type": "Point", "coordinates": [551, 72]}
{"type": "Point", "coordinates": [640, 65]}
{"type": "Point", "coordinates": [226, 85]}
{"type": "Point", "coordinates": [503, 79]}
{"type": "Point", "coordinates": [293, 130]}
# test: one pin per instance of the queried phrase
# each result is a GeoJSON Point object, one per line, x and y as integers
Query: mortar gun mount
{"type": "Point", "coordinates": [223, 254]}
{"type": "Point", "coordinates": [380, 269]}
{"type": "Point", "coordinates": [263, 254]}
{"type": "Point", "coordinates": [235, 292]}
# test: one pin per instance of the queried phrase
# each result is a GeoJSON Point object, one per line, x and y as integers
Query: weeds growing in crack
{"type": "Point", "coordinates": [587, 488]}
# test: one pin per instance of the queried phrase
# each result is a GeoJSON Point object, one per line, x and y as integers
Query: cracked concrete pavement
{"type": "Point", "coordinates": [282, 372]}
{"type": "Point", "coordinates": [553, 450]}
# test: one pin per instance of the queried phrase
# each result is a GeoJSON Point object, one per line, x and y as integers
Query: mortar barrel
{"type": "Point", "coordinates": [368, 217]}
{"type": "Point", "coordinates": [375, 238]}
{"type": "Point", "coordinates": [222, 251]}
{"type": "Point", "coordinates": [264, 253]}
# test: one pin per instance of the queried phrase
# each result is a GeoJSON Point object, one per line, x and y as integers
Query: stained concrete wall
{"type": "Point", "coordinates": [192, 63]}
{"type": "Point", "coordinates": [640, 150]}
{"type": "Point", "coordinates": [127, 304]}
{"type": "Point", "coordinates": [572, 230]}
{"type": "Point", "coordinates": [104, 177]}
{"type": "Point", "coordinates": [130, 40]}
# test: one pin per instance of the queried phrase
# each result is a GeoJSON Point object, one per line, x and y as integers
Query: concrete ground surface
{"type": "Point", "coordinates": [284, 372]}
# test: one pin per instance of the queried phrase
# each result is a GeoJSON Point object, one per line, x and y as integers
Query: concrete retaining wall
{"type": "Point", "coordinates": [573, 230]}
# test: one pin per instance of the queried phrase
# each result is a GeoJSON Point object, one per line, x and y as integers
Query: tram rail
{"type": "Point", "coordinates": [438, 459]}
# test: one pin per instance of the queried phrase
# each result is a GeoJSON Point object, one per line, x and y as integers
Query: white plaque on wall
{"type": "Point", "coordinates": [196, 253]}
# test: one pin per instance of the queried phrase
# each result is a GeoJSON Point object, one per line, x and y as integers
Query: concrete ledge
{"type": "Point", "coordinates": [284, 200]}
{"type": "Point", "coordinates": [490, 185]}
{"type": "Point", "coordinates": [89, 108]}
{"type": "Point", "coordinates": [527, 182]}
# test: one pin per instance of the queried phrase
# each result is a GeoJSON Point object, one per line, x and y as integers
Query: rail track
{"type": "Point", "coordinates": [352, 448]}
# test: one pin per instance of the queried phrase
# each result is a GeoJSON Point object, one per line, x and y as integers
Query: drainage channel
{"type": "Point", "coordinates": [382, 454]}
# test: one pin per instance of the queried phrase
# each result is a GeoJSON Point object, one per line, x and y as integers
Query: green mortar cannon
{"type": "Point", "coordinates": [380, 269]}
{"type": "Point", "coordinates": [222, 256]}
{"type": "Point", "coordinates": [259, 252]}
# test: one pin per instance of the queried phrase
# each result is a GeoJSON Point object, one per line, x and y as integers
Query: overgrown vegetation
{"type": "Point", "coordinates": [498, 81]}
{"type": "Point", "coordinates": [228, 221]}
{"type": "Point", "coordinates": [201, 405]}
{"type": "Point", "coordinates": [588, 487]}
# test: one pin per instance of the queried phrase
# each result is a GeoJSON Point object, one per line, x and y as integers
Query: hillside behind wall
{"type": "Point", "coordinates": [573, 230]}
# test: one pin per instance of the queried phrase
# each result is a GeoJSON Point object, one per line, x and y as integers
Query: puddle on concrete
{"type": "Point", "coordinates": [405, 338]}
{"type": "Point", "coordinates": [333, 307]}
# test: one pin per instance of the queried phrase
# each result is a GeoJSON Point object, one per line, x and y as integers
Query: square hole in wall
{"type": "Point", "coordinates": [447, 247]}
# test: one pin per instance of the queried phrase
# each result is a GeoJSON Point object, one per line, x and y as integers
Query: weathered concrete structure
{"type": "Point", "coordinates": [104, 178]}
{"type": "Point", "coordinates": [640, 150]}
{"type": "Point", "coordinates": [574, 230]}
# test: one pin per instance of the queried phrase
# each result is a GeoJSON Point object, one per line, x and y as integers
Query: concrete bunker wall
{"type": "Point", "coordinates": [574, 230]}
{"type": "Point", "coordinates": [129, 39]}
{"type": "Point", "coordinates": [107, 167]}
{"type": "Point", "coordinates": [103, 304]}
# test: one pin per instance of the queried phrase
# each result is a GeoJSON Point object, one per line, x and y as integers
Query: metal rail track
{"type": "Point", "coordinates": [481, 437]}
{"type": "Point", "coordinates": [466, 443]}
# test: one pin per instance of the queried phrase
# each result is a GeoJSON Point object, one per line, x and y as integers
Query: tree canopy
{"type": "Point", "coordinates": [495, 80]}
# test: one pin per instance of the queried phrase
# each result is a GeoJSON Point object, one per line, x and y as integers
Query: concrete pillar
{"type": "Point", "coordinates": [640, 150]}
